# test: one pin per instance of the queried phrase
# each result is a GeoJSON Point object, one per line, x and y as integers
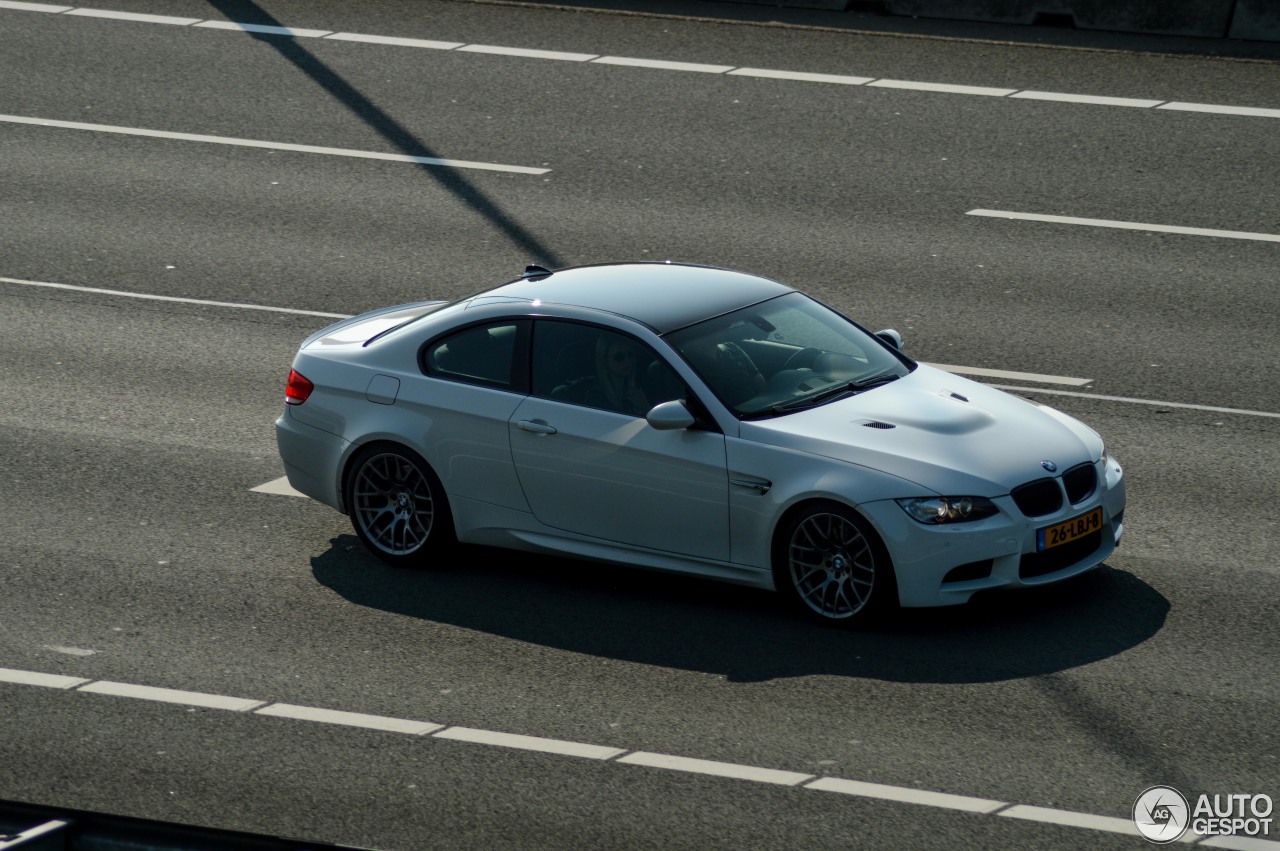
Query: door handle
{"type": "Point", "coordinates": [537, 426]}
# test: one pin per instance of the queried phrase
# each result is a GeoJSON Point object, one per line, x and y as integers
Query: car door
{"type": "Point", "coordinates": [589, 462]}
{"type": "Point", "coordinates": [458, 409]}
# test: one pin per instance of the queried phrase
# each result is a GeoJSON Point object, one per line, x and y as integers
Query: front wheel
{"type": "Point", "coordinates": [830, 563]}
{"type": "Point", "coordinates": [397, 504]}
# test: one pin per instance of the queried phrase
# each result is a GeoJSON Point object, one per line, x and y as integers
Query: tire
{"type": "Point", "coordinates": [833, 567]}
{"type": "Point", "coordinates": [397, 505]}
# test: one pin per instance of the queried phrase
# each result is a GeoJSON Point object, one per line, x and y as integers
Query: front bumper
{"type": "Point", "coordinates": [312, 459]}
{"type": "Point", "coordinates": [945, 565]}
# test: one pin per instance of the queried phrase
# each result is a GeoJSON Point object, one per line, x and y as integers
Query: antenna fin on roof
{"type": "Point", "coordinates": [533, 272]}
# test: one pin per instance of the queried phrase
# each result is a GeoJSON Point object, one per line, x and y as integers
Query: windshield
{"type": "Point", "coordinates": [784, 355]}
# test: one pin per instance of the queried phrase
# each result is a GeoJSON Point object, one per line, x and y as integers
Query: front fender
{"type": "Point", "coordinates": [793, 477]}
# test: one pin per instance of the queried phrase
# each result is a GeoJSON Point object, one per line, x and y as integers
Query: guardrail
{"type": "Point", "coordinates": [28, 827]}
{"type": "Point", "coordinates": [1257, 20]}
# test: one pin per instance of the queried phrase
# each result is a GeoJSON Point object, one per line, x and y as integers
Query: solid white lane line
{"type": "Point", "coordinates": [1100, 397]}
{"type": "Point", "coordinates": [527, 53]}
{"type": "Point", "coordinates": [1067, 818]}
{"type": "Point", "coordinates": [35, 678]}
{"type": "Point", "coordinates": [838, 79]}
{"type": "Point", "coordinates": [177, 299]}
{"type": "Point", "coordinates": [715, 769]}
{"type": "Point", "coordinates": [1016, 376]}
{"type": "Point", "coordinates": [264, 28]}
{"type": "Point", "coordinates": [278, 487]}
{"type": "Point", "coordinates": [275, 146]}
{"type": "Point", "coordinates": [1141, 226]}
{"type": "Point", "coordinates": [349, 719]}
{"type": "Point", "coordinates": [904, 795]}
{"type": "Point", "coordinates": [941, 87]}
{"type": "Point", "coordinates": [133, 16]}
{"type": "Point", "coordinates": [426, 44]}
{"type": "Point", "coordinates": [1222, 110]}
{"type": "Point", "coordinates": [170, 695]}
{"type": "Point", "coordinates": [663, 64]}
{"type": "Point", "coordinates": [527, 743]}
{"type": "Point", "coordinates": [1061, 97]}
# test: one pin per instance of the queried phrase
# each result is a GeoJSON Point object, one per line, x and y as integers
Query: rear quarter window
{"type": "Point", "coordinates": [481, 354]}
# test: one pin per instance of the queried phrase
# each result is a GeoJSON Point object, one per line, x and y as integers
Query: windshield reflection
{"type": "Point", "coordinates": [785, 355]}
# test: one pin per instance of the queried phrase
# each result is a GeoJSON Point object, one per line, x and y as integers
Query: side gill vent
{"type": "Point", "coordinates": [958, 396]}
{"type": "Point", "coordinates": [878, 424]}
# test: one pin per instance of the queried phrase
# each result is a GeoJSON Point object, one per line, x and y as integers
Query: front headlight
{"type": "Point", "coordinates": [1109, 462]}
{"type": "Point", "coordinates": [948, 509]}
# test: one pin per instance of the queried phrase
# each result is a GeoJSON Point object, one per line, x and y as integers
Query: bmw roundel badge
{"type": "Point", "coordinates": [1050, 466]}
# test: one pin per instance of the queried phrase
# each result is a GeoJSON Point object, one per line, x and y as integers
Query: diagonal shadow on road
{"type": "Point", "coordinates": [249, 12]}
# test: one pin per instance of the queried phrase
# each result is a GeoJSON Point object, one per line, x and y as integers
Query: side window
{"type": "Point", "coordinates": [482, 354]}
{"type": "Point", "coordinates": [598, 368]}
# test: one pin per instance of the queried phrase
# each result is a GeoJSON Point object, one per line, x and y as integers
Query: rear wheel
{"type": "Point", "coordinates": [397, 504]}
{"type": "Point", "coordinates": [832, 565]}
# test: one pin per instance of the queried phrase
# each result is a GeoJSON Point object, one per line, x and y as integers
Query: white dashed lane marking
{"type": "Point", "coordinates": [265, 29]}
{"type": "Point", "coordinates": [730, 770]}
{"type": "Point", "coordinates": [907, 796]}
{"type": "Point", "coordinates": [277, 486]}
{"type": "Point", "coordinates": [350, 719]}
{"type": "Point", "coordinates": [659, 64]}
{"type": "Point", "coordinates": [612, 755]}
{"type": "Point", "coordinates": [133, 16]}
{"type": "Point", "coordinates": [176, 299]}
{"type": "Point", "coordinates": [35, 678]}
{"type": "Point", "coordinates": [1103, 398]}
{"type": "Point", "coordinates": [1061, 97]}
{"type": "Point", "coordinates": [1014, 376]}
{"type": "Point", "coordinates": [1118, 225]}
{"type": "Point", "coordinates": [169, 695]}
{"type": "Point", "coordinates": [274, 146]}
{"type": "Point", "coordinates": [528, 743]}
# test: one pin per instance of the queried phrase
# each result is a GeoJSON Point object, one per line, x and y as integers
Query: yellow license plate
{"type": "Point", "coordinates": [1069, 530]}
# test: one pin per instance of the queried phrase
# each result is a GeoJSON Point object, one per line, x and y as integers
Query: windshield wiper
{"type": "Point", "coordinates": [840, 391]}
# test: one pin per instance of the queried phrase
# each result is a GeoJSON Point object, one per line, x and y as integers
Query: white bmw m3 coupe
{"type": "Point", "coordinates": [692, 419]}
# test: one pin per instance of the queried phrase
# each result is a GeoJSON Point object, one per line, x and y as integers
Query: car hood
{"type": "Point", "coordinates": [953, 436]}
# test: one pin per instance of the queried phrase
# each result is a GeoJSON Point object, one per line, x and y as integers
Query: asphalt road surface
{"type": "Point", "coordinates": [658, 712]}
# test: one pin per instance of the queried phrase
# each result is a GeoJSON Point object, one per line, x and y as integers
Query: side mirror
{"type": "Point", "coordinates": [669, 416]}
{"type": "Point", "coordinates": [892, 337]}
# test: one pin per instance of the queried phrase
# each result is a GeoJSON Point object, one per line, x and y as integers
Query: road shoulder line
{"type": "Point", "coordinates": [642, 759]}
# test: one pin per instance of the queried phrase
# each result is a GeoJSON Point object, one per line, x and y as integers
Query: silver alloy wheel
{"type": "Point", "coordinates": [392, 502]}
{"type": "Point", "coordinates": [832, 566]}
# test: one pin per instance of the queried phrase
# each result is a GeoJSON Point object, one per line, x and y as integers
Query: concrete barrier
{"type": "Point", "coordinates": [1256, 19]}
{"type": "Point", "coordinates": [1208, 18]}
{"type": "Point", "coordinates": [1238, 19]}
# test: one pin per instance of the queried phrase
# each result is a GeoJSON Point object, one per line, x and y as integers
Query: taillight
{"type": "Point", "coordinates": [297, 389]}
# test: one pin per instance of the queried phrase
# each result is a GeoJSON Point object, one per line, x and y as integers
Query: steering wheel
{"type": "Point", "coordinates": [803, 358]}
{"type": "Point", "coordinates": [740, 378]}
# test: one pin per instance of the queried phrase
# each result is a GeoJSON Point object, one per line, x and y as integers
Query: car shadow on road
{"type": "Point", "coordinates": [746, 634]}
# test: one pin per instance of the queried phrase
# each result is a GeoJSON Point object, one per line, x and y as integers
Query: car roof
{"type": "Point", "coordinates": [664, 296]}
